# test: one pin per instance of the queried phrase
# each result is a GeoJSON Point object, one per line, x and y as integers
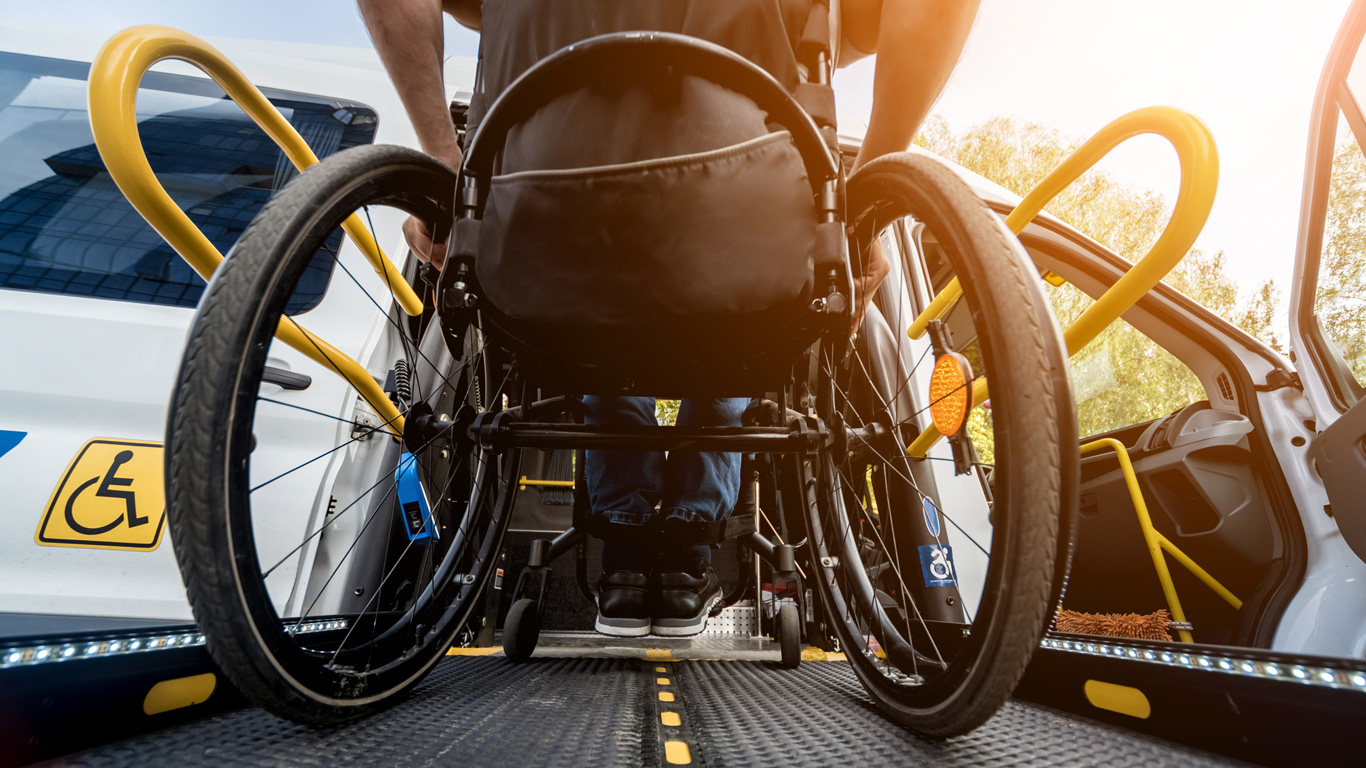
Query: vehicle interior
{"type": "Point", "coordinates": [1205, 468]}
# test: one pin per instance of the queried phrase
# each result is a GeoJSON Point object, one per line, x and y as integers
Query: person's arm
{"type": "Point", "coordinates": [917, 43]}
{"type": "Point", "coordinates": [409, 37]}
{"type": "Point", "coordinates": [410, 40]}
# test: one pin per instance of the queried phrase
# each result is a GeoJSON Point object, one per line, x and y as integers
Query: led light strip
{"type": "Point", "coordinates": [1307, 674]}
{"type": "Point", "coordinates": [50, 653]}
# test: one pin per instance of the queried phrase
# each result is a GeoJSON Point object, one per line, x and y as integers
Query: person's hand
{"type": "Point", "coordinates": [875, 270]}
{"type": "Point", "coordinates": [419, 237]}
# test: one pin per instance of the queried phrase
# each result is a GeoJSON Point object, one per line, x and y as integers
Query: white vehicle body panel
{"type": "Point", "coordinates": [76, 368]}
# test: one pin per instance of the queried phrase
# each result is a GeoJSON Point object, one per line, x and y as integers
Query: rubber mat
{"type": "Point", "coordinates": [746, 713]}
{"type": "Point", "coordinates": [486, 711]}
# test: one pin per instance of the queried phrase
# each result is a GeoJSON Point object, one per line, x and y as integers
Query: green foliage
{"type": "Point", "coordinates": [1122, 377]}
{"type": "Point", "coordinates": [1340, 300]}
{"type": "Point", "coordinates": [666, 412]}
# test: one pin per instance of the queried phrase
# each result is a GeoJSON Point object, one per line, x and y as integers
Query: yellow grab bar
{"type": "Point", "coordinates": [1157, 543]}
{"type": "Point", "coordinates": [523, 483]}
{"type": "Point", "coordinates": [115, 75]}
{"type": "Point", "coordinates": [1199, 178]}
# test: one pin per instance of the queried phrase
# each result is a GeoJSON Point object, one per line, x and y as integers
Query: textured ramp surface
{"type": "Point", "coordinates": [470, 711]}
{"type": "Point", "coordinates": [745, 714]}
{"type": "Point", "coordinates": [486, 711]}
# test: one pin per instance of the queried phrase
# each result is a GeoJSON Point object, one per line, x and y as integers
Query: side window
{"type": "Point", "coordinates": [1123, 377]}
{"type": "Point", "coordinates": [64, 226]}
{"type": "Point", "coordinates": [1340, 298]}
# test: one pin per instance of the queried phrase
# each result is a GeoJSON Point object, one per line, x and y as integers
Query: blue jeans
{"type": "Point", "coordinates": [625, 486]}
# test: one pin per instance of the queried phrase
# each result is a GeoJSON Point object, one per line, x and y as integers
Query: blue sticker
{"type": "Point", "coordinates": [936, 565]}
{"type": "Point", "coordinates": [9, 439]}
{"type": "Point", "coordinates": [931, 518]}
{"type": "Point", "coordinates": [412, 502]}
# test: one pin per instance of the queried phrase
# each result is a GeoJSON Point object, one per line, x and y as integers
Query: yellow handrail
{"type": "Point", "coordinates": [1157, 543]}
{"type": "Point", "coordinates": [115, 75]}
{"type": "Point", "coordinates": [524, 482]}
{"type": "Point", "coordinates": [1199, 177]}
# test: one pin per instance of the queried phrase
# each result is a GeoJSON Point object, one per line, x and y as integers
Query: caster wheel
{"type": "Point", "coordinates": [521, 629]}
{"type": "Point", "coordinates": [790, 636]}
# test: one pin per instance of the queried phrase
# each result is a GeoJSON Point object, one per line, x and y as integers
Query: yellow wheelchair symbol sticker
{"type": "Point", "coordinates": [111, 497]}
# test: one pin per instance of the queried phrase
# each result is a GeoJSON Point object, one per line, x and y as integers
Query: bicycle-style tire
{"type": "Point", "coordinates": [210, 441]}
{"type": "Point", "coordinates": [1034, 437]}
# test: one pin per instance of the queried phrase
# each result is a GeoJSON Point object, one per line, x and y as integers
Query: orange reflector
{"type": "Point", "coordinates": [950, 393]}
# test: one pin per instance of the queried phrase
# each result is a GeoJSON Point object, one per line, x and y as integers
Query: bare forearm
{"type": "Point", "coordinates": [408, 35]}
{"type": "Point", "coordinates": [918, 44]}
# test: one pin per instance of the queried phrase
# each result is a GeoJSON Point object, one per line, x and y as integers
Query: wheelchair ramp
{"type": "Point", "coordinates": [622, 706]}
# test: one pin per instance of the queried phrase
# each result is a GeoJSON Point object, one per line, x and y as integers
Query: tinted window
{"type": "Point", "coordinates": [64, 226]}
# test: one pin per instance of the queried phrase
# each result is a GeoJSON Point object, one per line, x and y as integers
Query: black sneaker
{"type": "Point", "coordinates": [685, 602]}
{"type": "Point", "coordinates": [623, 604]}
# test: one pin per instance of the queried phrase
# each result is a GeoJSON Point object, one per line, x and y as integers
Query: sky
{"type": "Point", "coordinates": [1248, 68]}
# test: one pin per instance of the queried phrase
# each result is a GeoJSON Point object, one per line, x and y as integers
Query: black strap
{"type": "Point", "coordinates": [819, 102]}
{"type": "Point", "coordinates": [828, 250]}
{"type": "Point", "coordinates": [465, 243]}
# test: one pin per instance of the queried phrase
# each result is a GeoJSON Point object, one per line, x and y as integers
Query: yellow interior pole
{"type": "Point", "coordinates": [115, 75]}
{"type": "Point", "coordinates": [1200, 573]}
{"type": "Point", "coordinates": [1157, 543]}
{"type": "Point", "coordinates": [1199, 161]}
{"type": "Point", "coordinates": [1150, 534]}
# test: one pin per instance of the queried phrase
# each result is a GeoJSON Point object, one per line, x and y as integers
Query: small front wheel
{"type": "Point", "coordinates": [790, 636]}
{"type": "Point", "coordinates": [521, 629]}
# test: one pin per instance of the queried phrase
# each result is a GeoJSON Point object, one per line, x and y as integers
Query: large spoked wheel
{"type": "Point", "coordinates": [937, 574]}
{"type": "Point", "coordinates": [329, 564]}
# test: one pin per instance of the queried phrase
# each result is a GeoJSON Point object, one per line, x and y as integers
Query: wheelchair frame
{"type": "Point", "coordinates": [119, 67]}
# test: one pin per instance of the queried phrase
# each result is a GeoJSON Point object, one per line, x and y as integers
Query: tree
{"type": "Point", "coordinates": [1340, 299]}
{"type": "Point", "coordinates": [1122, 377]}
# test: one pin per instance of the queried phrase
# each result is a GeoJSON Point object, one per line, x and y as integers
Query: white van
{"type": "Point", "coordinates": [94, 305]}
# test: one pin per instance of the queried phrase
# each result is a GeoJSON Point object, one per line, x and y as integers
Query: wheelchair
{"type": "Point", "coordinates": [562, 282]}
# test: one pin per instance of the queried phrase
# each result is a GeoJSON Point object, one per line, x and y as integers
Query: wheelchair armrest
{"type": "Point", "coordinates": [628, 56]}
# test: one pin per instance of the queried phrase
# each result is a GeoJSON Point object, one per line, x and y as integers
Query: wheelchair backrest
{"type": "Point", "coordinates": [653, 228]}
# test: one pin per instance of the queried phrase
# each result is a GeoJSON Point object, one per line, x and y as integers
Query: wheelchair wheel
{"type": "Point", "coordinates": [936, 572]}
{"type": "Point", "coordinates": [329, 564]}
{"type": "Point", "coordinates": [521, 630]}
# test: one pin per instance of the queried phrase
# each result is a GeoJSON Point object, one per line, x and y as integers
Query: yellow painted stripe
{"type": "Point", "coordinates": [661, 669]}
{"type": "Point", "coordinates": [677, 752]}
{"type": "Point", "coordinates": [179, 692]}
{"type": "Point", "coordinates": [666, 696]}
{"type": "Point", "coordinates": [662, 681]}
{"type": "Point", "coordinates": [474, 651]}
{"type": "Point", "coordinates": [658, 654]}
{"type": "Point", "coordinates": [1118, 698]}
{"type": "Point", "coordinates": [670, 718]}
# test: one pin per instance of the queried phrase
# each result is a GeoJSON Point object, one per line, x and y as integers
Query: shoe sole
{"type": "Point", "coordinates": [622, 627]}
{"type": "Point", "coordinates": [692, 626]}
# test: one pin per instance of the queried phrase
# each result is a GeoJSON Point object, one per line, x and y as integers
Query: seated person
{"type": "Point", "coordinates": [671, 589]}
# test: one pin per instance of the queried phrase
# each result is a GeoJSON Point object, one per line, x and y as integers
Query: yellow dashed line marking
{"type": "Point", "coordinates": [666, 696]}
{"type": "Point", "coordinates": [662, 681]}
{"type": "Point", "coordinates": [474, 651]}
{"type": "Point", "coordinates": [658, 654]}
{"type": "Point", "coordinates": [670, 718]}
{"type": "Point", "coordinates": [677, 753]}
{"type": "Point", "coordinates": [661, 669]}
